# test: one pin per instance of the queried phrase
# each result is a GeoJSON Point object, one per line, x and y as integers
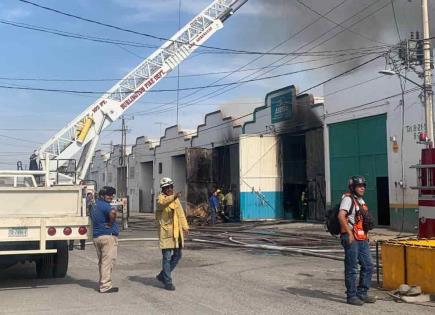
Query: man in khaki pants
{"type": "Point", "coordinates": [105, 233]}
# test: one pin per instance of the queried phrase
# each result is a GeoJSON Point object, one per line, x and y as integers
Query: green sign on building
{"type": "Point", "coordinates": [281, 105]}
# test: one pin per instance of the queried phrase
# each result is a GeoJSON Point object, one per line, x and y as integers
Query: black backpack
{"type": "Point", "coordinates": [332, 224]}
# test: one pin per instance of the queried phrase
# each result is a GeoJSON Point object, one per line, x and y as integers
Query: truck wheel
{"type": "Point", "coordinates": [44, 266]}
{"type": "Point", "coordinates": [60, 267]}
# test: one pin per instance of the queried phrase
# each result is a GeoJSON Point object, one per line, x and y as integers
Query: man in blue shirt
{"type": "Point", "coordinates": [214, 205]}
{"type": "Point", "coordinates": [105, 234]}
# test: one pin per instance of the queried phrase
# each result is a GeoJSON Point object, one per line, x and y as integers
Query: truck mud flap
{"type": "Point", "coordinates": [61, 258]}
{"type": "Point", "coordinates": [44, 266]}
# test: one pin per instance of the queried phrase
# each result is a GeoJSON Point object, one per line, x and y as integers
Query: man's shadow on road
{"type": "Point", "coordinates": [148, 281]}
{"type": "Point", "coordinates": [314, 293]}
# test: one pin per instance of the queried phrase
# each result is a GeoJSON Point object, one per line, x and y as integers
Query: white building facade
{"type": "Point", "coordinates": [370, 131]}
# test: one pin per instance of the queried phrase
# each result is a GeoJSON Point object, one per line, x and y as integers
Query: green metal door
{"type": "Point", "coordinates": [358, 147]}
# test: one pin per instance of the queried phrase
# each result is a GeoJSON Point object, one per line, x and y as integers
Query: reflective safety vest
{"type": "Point", "coordinates": [358, 230]}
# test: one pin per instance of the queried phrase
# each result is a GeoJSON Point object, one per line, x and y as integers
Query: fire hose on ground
{"type": "Point", "coordinates": [234, 243]}
{"type": "Point", "coordinates": [321, 253]}
{"type": "Point", "coordinates": [269, 247]}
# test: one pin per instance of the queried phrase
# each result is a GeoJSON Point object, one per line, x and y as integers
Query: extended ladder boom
{"type": "Point", "coordinates": [83, 132]}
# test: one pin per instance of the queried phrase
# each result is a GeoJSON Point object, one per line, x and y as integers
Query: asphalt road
{"type": "Point", "coordinates": [209, 280]}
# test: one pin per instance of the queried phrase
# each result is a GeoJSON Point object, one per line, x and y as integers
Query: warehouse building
{"type": "Point", "coordinates": [292, 159]}
{"type": "Point", "coordinates": [268, 163]}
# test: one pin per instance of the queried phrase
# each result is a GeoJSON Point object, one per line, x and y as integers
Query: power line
{"type": "Point", "coordinates": [223, 90]}
{"type": "Point", "coordinates": [183, 89]}
{"type": "Point", "coordinates": [329, 94]}
{"type": "Point", "coordinates": [354, 108]}
{"type": "Point", "coordinates": [130, 52]}
{"type": "Point", "coordinates": [121, 43]}
{"type": "Point", "coordinates": [74, 35]}
{"type": "Point", "coordinates": [346, 110]}
{"type": "Point", "coordinates": [357, 107]}
{"type": "Point", "coordinates": [112, 26]}
{"type": "Point", "coordinates": [300, 93]}
{"type": "Point", "coordinates": [301, 30]}
{"type": "Point", "coordinates": [27, 129]}
{"type": "Point", "coordinates": [338, 24]}
{"type": "Point", "coordinates": [395, 20]}
{"type": "Point", "coordinates": [9, 163]}
{"type": "Point", "coordinates": [355, 85]}
{"type": "Point", "coordinates": [12, 154]}
{"type": "Point", "coordinates": [19, 139]}
{"type": "Point", "coordinates": [15, 144]}
{"type": "Point", "coordinates": [211, 86]}
{"type": "Point", "coordinates": [42, 79]}
{"type": "Point", "coordinates": [70, 15]}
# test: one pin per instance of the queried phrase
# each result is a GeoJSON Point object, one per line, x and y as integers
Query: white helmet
{"type": "Point", "coordinates": [166, 181]}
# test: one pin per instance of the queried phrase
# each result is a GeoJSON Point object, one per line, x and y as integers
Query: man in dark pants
{"type": "Point", "coordinates": [354, 240]}
{"type": "Point", "coordinates": [214, 206]}
{"type": "Point", "coordinates": [173, 228]}
{"type": "Point", "coordinates": [105, 233]}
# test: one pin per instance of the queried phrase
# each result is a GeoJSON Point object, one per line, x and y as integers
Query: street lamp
{"type": "Point", "coordinates": [427, 102]}
{"type": "Point", "coordinates": [391, 72]}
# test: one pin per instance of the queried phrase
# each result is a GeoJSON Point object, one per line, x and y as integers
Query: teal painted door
{"type": "Point", "coordinates": [358, 147]}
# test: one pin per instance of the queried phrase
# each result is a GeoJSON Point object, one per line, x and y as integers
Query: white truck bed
{"type": "Point", "coordinates": [41, 201]}
{"type": "Point", "coordinates": [26, 214]}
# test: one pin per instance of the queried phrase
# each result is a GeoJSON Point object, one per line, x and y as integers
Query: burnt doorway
{"type": "Point", "coordinates": [210, 168]}
{"type": "Point", "coordinates": [383, 200]}
{"type": "Point", "coordinates": [226, 173]}
{"type": "Point", "coordinates": [294, 165]}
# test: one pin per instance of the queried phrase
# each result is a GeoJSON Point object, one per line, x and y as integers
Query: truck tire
{"type": "Point", "coordinates": [60, 266]}
{"type": "Point", "coordinates": [44, 266]}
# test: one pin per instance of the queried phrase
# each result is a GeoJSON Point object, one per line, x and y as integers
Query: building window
{"type": "Point", "coordinates": [131, 172]}
{"type": "Point", "coordinates": [109, 177]}
{"type": "Point", "coordinates": [160, 168]}
{"type": "Point", "coordinates": [104, 178]}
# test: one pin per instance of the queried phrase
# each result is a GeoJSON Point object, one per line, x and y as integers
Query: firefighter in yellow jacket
{"type": "Point", "coordinates": [173, 228]}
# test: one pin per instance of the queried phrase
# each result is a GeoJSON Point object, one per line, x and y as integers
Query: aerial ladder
{"type": "Point", "coordinates": [81, 135]}
{"type": "Point", "coordinates": [43, 209]}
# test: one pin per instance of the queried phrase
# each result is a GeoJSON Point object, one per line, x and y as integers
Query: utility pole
{"type": "Point", "coordinates": [124, 173]}
{"type": "Point", "coordinates": [123, 157]}
{"type": "Point", "coordinates": [428, 93]}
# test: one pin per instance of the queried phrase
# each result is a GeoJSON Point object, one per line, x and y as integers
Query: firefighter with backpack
{"type": "Point", "coordinates": [355, 222]}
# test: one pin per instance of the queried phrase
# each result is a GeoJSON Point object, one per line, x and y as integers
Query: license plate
{"type": "Point", "coordinates": [18, 232]}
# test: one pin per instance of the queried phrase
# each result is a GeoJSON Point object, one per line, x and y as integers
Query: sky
{"type": "Point", "coordinates": [29, 118]}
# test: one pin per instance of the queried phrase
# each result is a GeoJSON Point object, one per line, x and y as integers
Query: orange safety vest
{"type": "Point", "coordinates": [358, 230]}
